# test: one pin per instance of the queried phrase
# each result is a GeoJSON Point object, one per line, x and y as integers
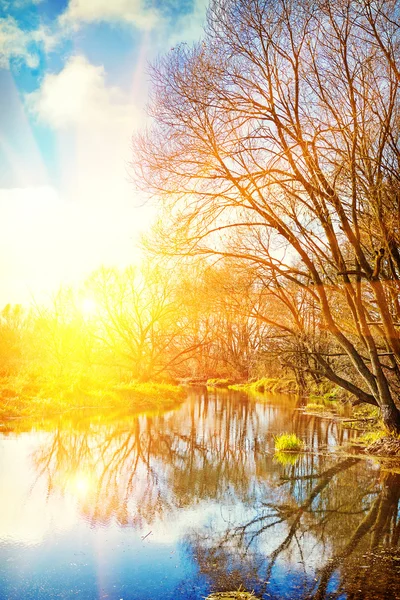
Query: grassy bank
{"type": "Point", "coordinates": [365, 419]}
{"type": "Point", "coordinates": [284, 385]}
{"type": "Point", "coordinates": [39, 399]}
{"type": "Point", "coordinates": [219, 383]}
{"type": "Point", "coordinates": [373, 438]}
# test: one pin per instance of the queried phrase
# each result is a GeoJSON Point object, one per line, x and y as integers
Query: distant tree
{"type": "Point", "coordinates": [13, 336]}
{"type": "Point", "coordinates": [60, 345]}
{"type": "Point", "coordinates": [275, 141]}
{"type": "Point", "coordinates": [141, 321]}
{"type": "Point", "coordinates": [221, 301]}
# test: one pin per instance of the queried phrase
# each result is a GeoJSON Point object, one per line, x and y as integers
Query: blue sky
{"type": "Point", "coordinates": [74, 85]}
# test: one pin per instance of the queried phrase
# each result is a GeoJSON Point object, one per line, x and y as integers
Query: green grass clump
{"type": "Point", "coordinates": [235, 595]}
{"type": "Point", "coordinates": [366, 411]}
{"type": "Point", "coordinates": [241, 387]}
{"type": "Point", "coordinates": [288, 442]}
{"type": "Point", "coordinates": [365, 418]}
{"type": "Point", "coordinates": [322, 406]}
{"type": "Point", "coordinates": [326, 399]}
{"type": "Point", "coordinates": [262, 385]}
{"type": "Point", "coordinates": [326, 402]}
{"type": "Point", "coordinates": [369, 437]}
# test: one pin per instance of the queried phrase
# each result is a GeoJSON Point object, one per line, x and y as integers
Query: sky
{"type": "Point", "coordinates": [74, 86]}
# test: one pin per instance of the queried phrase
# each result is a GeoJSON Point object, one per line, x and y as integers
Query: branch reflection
{"type": "Point", "coordinates": [315, 518]}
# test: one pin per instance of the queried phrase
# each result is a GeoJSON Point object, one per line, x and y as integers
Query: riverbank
{"type": "Point", "coordinates": [372, 437]}
{"type": "Point", "coordinates": [331, 402]}
{"type": "Point", "coordinates": [283, 385]}
{"type": "Point", "coordinates": [42, 399]}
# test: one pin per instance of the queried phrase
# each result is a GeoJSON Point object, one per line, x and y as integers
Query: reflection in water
{"type": "Point", "coordinates": [200, 488]}
{"type": "Point", "coordinates": [147, 466]}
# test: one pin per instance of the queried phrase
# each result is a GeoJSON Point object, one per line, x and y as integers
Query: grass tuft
{"type": "Point", "coordinates": [234, 595]}
{"type": "Point", "coordinates": [288, 442]}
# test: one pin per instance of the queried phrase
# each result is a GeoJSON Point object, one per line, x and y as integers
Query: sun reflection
{"type": "Point", "coordinates": [81, 484]}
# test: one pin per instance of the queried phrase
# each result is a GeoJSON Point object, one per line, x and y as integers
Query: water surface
{"type": "Point", "coordinates": [176, 505]}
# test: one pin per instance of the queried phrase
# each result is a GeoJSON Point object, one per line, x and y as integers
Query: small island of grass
{"type": "Point", "coordinates": [288, 442]}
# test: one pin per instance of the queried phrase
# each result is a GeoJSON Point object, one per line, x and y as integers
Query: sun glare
{"type": "Point", "coordinates": [81, 484]}
{"type": "Point", "coordinates": [88, 307]}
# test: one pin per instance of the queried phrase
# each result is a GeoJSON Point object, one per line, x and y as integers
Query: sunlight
{"type": "Point", "coordinates": [88, 307]}
{"type": "Point", "coordinates": [80, 484]}
{"type": "Point", "coordinates": [37, 227]}
{"type": "Point", "coordinates": [56, 234]}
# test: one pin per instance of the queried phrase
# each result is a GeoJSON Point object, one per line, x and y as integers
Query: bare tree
{"type": "Point", "coordinates": [275, 142]}
{"type": "Point", "coordinates": [142, 322]}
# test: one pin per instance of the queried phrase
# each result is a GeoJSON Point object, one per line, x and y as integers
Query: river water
{"type": "Point", "coordinates": [176, 505]}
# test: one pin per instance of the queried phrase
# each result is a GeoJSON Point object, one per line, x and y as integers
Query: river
{"type": "Point", "coordinates": [175, 505]}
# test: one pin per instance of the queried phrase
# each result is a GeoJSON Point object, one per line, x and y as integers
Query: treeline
{"type": "Point", "coordinates": [146, 324]}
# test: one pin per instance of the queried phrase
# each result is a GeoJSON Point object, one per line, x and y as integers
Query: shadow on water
{"type": "Point", "coordinates": [203, 482]}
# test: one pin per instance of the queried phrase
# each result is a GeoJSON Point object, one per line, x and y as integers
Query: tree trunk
{"type": "Point", "coordinates": [391, 418]}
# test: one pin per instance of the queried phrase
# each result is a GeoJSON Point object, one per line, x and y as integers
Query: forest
{"type": "Point", "coordinates": [147, 324]}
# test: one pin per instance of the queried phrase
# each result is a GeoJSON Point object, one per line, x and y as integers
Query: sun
{"type": "Point", "coordinates": [88, 307]}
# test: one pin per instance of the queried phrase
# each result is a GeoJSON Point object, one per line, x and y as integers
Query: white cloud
{"type": "Point", "coordinates": [133, 12]}
{"type": "Point", "coordinates": [95, 123]}
{"type": "Point", "coordinates": [43, 35]}
{"type": "Point", "coordinates": [16, 43]}
{"type": "Point", "coordinates": [78, 95]}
